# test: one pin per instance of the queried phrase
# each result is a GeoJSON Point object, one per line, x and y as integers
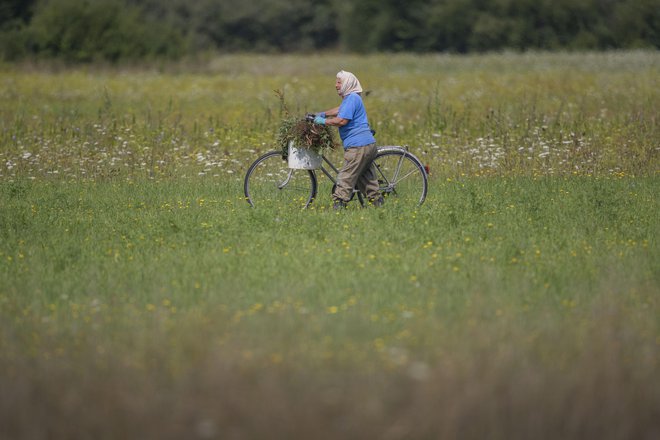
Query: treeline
{"type": "Point", "coordinates": [117, 30]}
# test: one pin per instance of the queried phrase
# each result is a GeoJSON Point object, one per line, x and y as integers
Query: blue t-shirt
{"type": "Point", "coordinates": [357, 132]}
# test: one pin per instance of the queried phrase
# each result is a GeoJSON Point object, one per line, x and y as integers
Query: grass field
{"type": "Point", "coordinates": [141, 297]}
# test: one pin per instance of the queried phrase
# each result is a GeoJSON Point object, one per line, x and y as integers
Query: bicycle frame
{"type": "Point", "coordinates": [327, 173]}
{"type": "Point", "coordinates": [390, 185]}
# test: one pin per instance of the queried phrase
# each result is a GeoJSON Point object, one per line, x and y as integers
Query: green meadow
{"type": "Point", "coordinates": [142, 297]}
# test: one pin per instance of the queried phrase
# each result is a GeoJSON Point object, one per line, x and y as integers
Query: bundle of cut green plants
{"type": "Point", "coordinates": [304, 134]}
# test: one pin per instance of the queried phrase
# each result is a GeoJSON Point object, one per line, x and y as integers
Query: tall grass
{"type": "Point", "coordinates": [499, 114]}
{"type": "Point", "coordinates": [141, 297]}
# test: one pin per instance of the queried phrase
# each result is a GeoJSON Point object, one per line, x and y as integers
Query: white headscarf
{"type": "Point", "coordinates": [349, 83]}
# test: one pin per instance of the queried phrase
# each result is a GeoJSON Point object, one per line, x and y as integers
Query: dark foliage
{"type": "Point", "coordinates": [117, 30]}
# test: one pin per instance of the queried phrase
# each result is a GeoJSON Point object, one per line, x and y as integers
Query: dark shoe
{"type": "Point", "coordinates": [380, 201]}
{"type": "Point", "coordinates": [339, 205]}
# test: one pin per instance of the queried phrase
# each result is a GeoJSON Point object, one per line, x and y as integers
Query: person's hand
{"type": "Point", "coordinates": [319, 120]}
{"type": "Point", "coordinates": [311, 116]}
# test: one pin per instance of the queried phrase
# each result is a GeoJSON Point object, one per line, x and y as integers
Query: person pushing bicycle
{"type": "Point", "coordinates": [359, 143]}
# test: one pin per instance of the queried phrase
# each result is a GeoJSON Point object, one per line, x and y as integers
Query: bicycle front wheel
{"type": "Point", "coordinates": [401, 176]}
{"type": "Point", "coordinates": [270, 182]}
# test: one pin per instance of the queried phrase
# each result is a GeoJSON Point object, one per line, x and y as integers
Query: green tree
{"type": "Point", "coordinates": [115, 30]}
{"type": "Point", "coordinates": [635, 24]}
{"type": "Point", "coordinates": [80, 30]}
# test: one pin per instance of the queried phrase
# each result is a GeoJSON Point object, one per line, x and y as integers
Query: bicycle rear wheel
{"type": "Point", "coordinates": [270, 182]}
{"type": "Point", "coordinates": [401, 176]}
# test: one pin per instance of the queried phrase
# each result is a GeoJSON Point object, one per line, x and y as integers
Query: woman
{"type": "Point", "coordinates": [358, 139]}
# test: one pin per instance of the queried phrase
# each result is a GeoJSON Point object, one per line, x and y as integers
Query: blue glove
{"type": "Point", "coordinates": [319, 120]}
{"type": "Point", "coordinates": [321, 114]}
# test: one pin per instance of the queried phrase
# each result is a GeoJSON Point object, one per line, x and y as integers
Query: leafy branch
{"type": "Point", "coordinates": [303, 133]}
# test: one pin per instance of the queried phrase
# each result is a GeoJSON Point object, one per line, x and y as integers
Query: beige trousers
{"type": "Point", "coordinates": [357, 171]}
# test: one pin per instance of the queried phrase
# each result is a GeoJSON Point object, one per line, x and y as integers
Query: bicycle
{"type": "Point", "coordinates": [269, 180]}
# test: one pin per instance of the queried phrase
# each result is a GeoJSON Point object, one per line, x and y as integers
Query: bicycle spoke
{"type": "Point", "coordinates": [398, 169]}
{"type": "Point", "coordinates": [412, 172]}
